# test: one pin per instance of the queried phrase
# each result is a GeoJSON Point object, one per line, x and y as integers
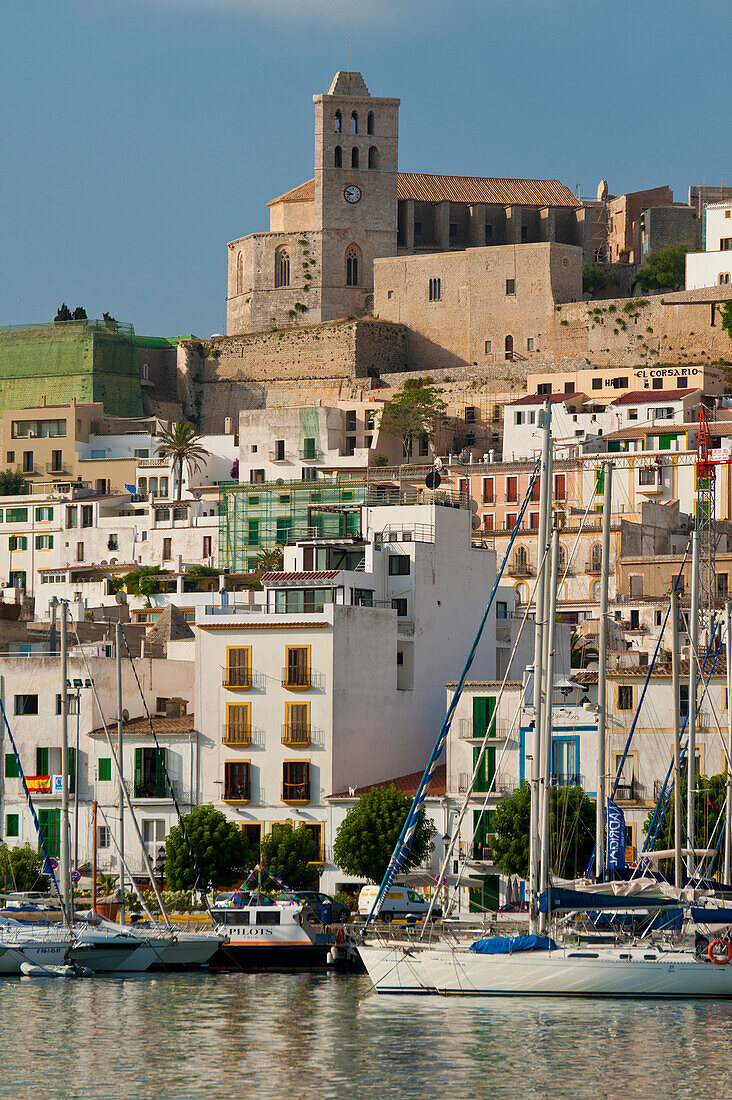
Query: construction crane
{"type": "Point", "coordinates": [705, 479]}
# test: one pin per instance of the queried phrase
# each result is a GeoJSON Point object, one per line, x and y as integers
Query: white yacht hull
{"type": "Point", "coordinates": [562, 972]}
{"type": "Point", "coordinates": [187, 951]}
{"type": "Point", "coordinates": [49, 953]}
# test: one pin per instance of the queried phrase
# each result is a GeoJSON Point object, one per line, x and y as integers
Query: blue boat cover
{"type": "Point", "coordinates": [711, 916]}
{"type": "Point", "coordinates": [506, 945]}
{"type": "Point", "coordinates": [566, 899]}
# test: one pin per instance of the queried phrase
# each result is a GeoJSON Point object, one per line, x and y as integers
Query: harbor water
{"type": "Point", "coordinates": [176, 1037]}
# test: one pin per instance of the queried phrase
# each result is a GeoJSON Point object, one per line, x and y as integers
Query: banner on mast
{"type": "Point", "coordinates": [615, 837]}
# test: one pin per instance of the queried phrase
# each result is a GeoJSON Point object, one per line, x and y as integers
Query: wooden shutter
{"type": "Point", "coordinates": [138, 772]}
{"type": "Point", "coordinates": [160, 784]}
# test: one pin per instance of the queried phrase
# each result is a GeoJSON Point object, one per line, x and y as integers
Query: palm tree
{"type": "Point", "coordinates": [270, 561]}
{"type": "Point", "coordinates": [181, 443]}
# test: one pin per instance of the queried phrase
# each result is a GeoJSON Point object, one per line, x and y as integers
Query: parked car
{"type": "Point", "coordinates": [326, 908]}
{"type": "Point", "coordinates": [400, 902]}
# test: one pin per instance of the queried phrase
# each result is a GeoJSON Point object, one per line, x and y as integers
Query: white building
{"type": "Point", "coordinates": [713, 266]}
{"type": "Point", "coordinates": [340, 682]}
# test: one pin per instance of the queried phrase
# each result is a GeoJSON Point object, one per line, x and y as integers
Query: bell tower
{"type": "Point", "coordinates": [355, 205]}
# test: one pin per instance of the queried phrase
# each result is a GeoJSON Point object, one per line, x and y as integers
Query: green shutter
{"type": "Point", "coordinates": [484, 777]}
{"type": "Point", "coordinates": [600, 479]}
{"type": "Point", "coordinates": [664, 442]}
{"type": "Point", "coordinates": [480, 715]}
{"type": "Point", "coordinates": [138, 772]}
{"type": "Point", "coordinates": [42, 761]}
{"type": "Point", "coordinates": [12, 825]}
{"type": "Point", "coordinates": [11, 766]}
{"type": "Point", "coordinates": [105, 769]}
{"type": "Point", "coordinates": [160, 784]}
{"type": "Point", "coordinates": [72, 770]}
{"type": "Point", "coordinates": [50, 824]}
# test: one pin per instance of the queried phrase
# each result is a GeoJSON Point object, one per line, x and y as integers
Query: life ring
{"type": "Point", "coordinates": [720, 959]}
{"type": "Point", "coordinates": [340, 936]}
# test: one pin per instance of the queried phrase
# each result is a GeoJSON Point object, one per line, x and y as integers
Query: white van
{"type": "Point", "coordinates": [400, 902]}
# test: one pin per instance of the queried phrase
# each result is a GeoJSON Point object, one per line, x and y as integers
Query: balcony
{"type": "Point", "coordinates": [309, 454]}
{"type": "Point", "coordinates": [628, 791]}
{"type": "Point", "coordinates": [63, 469]}
{"type": "Point", "coordinates": [237, 679]}
{"type": "Point", "coordinates": [594, 567]}
{"type": "Point", "coordinates": [297, 794]}
{"type": "Point", "coordinates": [152, 463]}
{"type": "Point", "coordinates": [567, 779]}
{"type": "Point", "coordinates": [237, 792]}
{"type": "Point", "coordinates": [301, 679]}
{"type": "Point", "coordinates": [499, 732]}
{"type": "Point", "coordinates": [287, 456]}
{"type": "Point", "coordinates": [237, 735]}
{"type": "Point", "coordinates": [297, 734]}
{"type": "Point", "coordinates": [522, 569]}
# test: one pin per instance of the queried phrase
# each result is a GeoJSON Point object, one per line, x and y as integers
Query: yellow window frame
{"type": "Point", "coordinates": [287, 737]}
{"type": "Point", "coordinates": [297, 687]}
{"type": "Point", "coordinates": [297, 801]}
{"type": "Point", "coordinates": [238, 801]}
{"type": "Point", "coordinates": [227, 674]}
{"type": "Point", "coordinates": [244, 825]}
{"type": "Point", "coordinates": [246, 740]}
{"type": "Point", "coordinates": [321, 846]}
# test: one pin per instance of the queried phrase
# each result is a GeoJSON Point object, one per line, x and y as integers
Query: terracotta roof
{"type": "Point", "coordinates": [425, 188]}
{"type": "Point", "coordinates": [640, 431]}
{"type": "Point", "coordinates": [584, 676]}
{"type": "Point", "coordinates": [308, 575]}
{"type": "Point", "coordinates": [140, 727]}
{"type": "Point", "coordinates": [552, 398]}
{"type": "Point", "coordinates": [407, 784]}
{"type": "Point", "coordinates": [652, 397]}
{"type": "Point", "coordinates": [503, 192]}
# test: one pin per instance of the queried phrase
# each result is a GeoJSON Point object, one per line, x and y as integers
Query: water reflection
{"type": "Point", "coordinates": [192, 1036]}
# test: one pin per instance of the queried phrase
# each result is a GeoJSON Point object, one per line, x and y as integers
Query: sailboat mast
{"type": "Point", "coordinates": [546, 737]}
{"type": "Point", "coordinates": [65, 865]}
{"type": "Point", "coordinates": [691, 750]}
{"type": "Point", "coordinates": [677, 735]}
{"type": "Point", "coordinates": [728, 806]}
{"type": "Point", "coordinates": [120, 757]}
{"type": "Point", "coordinates": [601, 798]}
{"type": "Point", "coordinates": [542, 537]}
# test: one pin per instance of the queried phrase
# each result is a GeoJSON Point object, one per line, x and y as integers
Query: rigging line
{"type": "Point", "coordinates": [123, 786]}
{"type": "Point", "coordinates": [403, 845]}
{"type": "Point", "coordinates": [126, 867]}
{"type": "Point", "coordinates": [198, 883]}
{"type": "Point", "coordinates": [31, 807]}
{"type": "Point", "coordinates": [484, 746]}
{"type": "Point", "coordinates": [570, 556]}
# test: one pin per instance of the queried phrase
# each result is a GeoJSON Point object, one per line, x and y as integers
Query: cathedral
{"type": "Point", "coordinates": [316, 263]}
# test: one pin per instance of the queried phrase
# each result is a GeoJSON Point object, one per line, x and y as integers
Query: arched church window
{"type": "Point", "coordinates": [509, 347]}
{"type": "Point", "coordinates": [239, 273]}
{"type": "Point", "coordinates": [338, 159]}
{"type": "Point", "coordinates": [370, 123]}
{"type": "Point", "coordinates": [561, 560]}
{"type": "Point", "coordinates": [373, 157]}
{"type": "Point", "coordinates": [282, 267]}
{"type": "Point", "coordinates": [354, 122]}
{"type": "Point", "coordinates": [354, 157]}
{"type": "Point", "coordinates": [338, 122]}
{"type": "Point", "coordinates": [596, 557]}
{"type": "Point", "coordinates": [353, 258]}
{"type": "Point", "coordinates": [520, 561]}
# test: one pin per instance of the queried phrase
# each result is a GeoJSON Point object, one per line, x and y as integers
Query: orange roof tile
{"type": "Point", "coordinates": [407, 784]}
{"type": "Point", "coordinates": [426, 188]}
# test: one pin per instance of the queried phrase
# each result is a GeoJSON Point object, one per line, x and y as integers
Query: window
{"type": "Point", "coordinates": [103, 836]}
{"type": "Point", "coordinates": [338, 122]}
{"type": "Point", "coordinates": [104, 769]}
{"type": "Point", "coordinates": [296, 730]}
{"type": "Point", "coordinates": [27, 462]}
{"type": "Point", "coordinates": [721, 585]}
{"type": "Point", "coordinates": [17, 542]}
{"type": "Point", "coordinates": [354, 157]}
{"type": "Point", "coordinates": [524, 232]}
{"type": "Point", "coordinates": [488, 233]}
{"type": "Point", "coordinates": [352, 264]}
{"type": "Point", "coordinates": [354, 122]}
{"type": "Point", "coordinates": [12, 825]}
{"type": "Point", "coordinates": [26, 704]}
{"type": "Point", "coordinates": [418, 229]}
{"type": "Point", "coordinates": [647, 475]}
{"type": "Point", "coordinates": [317, 830]}
{"type": "Point", "coordinates": [508, 347]}
{"type": "Point", "coordinates": [238, 729]}
{"type": "Point", "coordinates": [399, 565]}
{"type": "Point", "coordinates": [560, 486]}
{"type": "Point", "coordinates": [519, 418]}
{"type": "Point", "coordinates": [150, 764]}
{"type": "Point", "coordinates": [16, 515]}
{"type": "Point", "coordinates": [44, 515]}
{"type": "Point", "coordinates": [239, 272]}
{"type": "Point", "coordinates": [373, 157]}
{"type": "Point", "coordinates": [725, 244]}
{"type": "Point", "coordinates": [206, 546]}
{"type": "Point", "coordinates": [113, 542]}
{"type": "Point", "coordinates": [253, 834]}
{"type": "Point", "coordinates": [370, 123]}
{"type": "Point", "coordinates": [282, 267]}
{"type": "Point", "coordinates": [683, 382]}
{"type": "Point", "coordinates": [11, 766]}
{"type": "Point", "coordinates": [520, 561]}
{"type": "Point", "coordinates": [596, 557]}
{"type": "Point", "coordinates": [153, 830]}
{"type": "Point", "coordinates": [50, 826]}
{"type": "Point", "coordinates": [435, 290]}
{"type": "Point", "coordinates": [338, 157]}
{"type": "Point", "coordinates": [597, 383]}
{"type": "Point", "coordinates": [723, 278]}
{"type": "Point", "coordinates": [167, 549]}
{"type": "Point", "coordinates": [10, 457]}
{"type": "Point", "coordinates": [510, 286]}
{"type": "Point", "coordinates": [256, 477]}
{"type": "Point", "coordinates": [453, 230]}
{"type": "Point", "coordinates": [501, 610]}
{"type": "Point", "coordinates": [511, 490]}
{"type": "Point", "coordinates": [619, 383]}
{"type": "Point", "coordinates": [625, 697]}
{"type": "Point", "coordinates": [487, 347]}
{"type": "Point", "coordinates": [470, 414]}
{"type": "Point", "coordinates": [252, 532]}
{"type": "Point", "coordinates": [297, 667]}
{"type": "Point", "coordinates": [530, 344]}
{"type": "Point", "coordinates": [488, 491]}
{"type": "Point", "coordinates": [239, 666]}
{"type": "Point", "coordinates": [363, 597]}
{"type": "Point", "coordinates": [72, 703]}
{"type": "Point", "coordinates": [296, 781]}
{"type": "Point", "coordinates": [400, 606]}
{"type": "Point", "coordinates": [44, 542]}
{"type": "Point", "coordinates": [87, 516]}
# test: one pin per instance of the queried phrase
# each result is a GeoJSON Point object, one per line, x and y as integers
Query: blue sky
{"type": "Point", "coordinates": [141, 135]}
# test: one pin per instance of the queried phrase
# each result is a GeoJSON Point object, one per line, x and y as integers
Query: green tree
{"type": "Point", "coordinates": [417, 411]}
{"type": "Point", "coordinates": [218, 845]}
{"type": "Point", "coordinates": [143, 581]}
{"type": "Point", "coordinates": [572, 831]}
{"type": "Point", "coordinates": [594, 279]}
{"type": "Point", "coordinates": [665, 270]}
{"type": "Point", "coordinates": [290, 853]}
{"type": "Point", "coordinates": [368, 834]}
{"type": "Point", "coordinates": [21, 869]}
{"type": "Point", "coordinates": [380, 460]}
{"type": "Point", "coordinates": [270, 560]}
{"type": "Point", "coordinates": [725, 312]}
{"type": "Point", "coordinates": [708, 804]}
{"type": "Point", "coordinates": [63, 313]}
{"type": "Point", "coordinates": [181, 444]}
{"type": "Point", "coordinates": [12, 483]}
{"type": "Point", "coordinates": [79, 314]}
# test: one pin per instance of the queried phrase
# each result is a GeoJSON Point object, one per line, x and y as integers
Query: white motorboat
{"type": "Point", "coordinates": [163, 948]}
{"type": "Point", "coordinates": [284, 936]}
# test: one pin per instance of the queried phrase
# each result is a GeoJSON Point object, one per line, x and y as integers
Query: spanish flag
{"type": "Point", "coordinates": [39, 784]}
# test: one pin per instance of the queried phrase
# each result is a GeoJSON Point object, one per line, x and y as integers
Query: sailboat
{"type": "Point", "coordinates": [536, 965]}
